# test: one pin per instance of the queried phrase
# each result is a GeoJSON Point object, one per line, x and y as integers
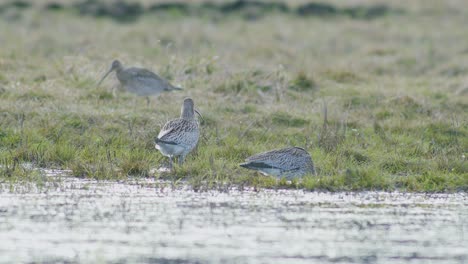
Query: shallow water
{"type": "Point", "coordinates": [86, 221]}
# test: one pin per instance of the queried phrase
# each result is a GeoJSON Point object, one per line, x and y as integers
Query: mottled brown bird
{"type": "Point", "coordinates": [139, 81]}
{"type": "Point", "coordinates": [288, 162]}
{"type": "Point", "coordinates": [179, 136]}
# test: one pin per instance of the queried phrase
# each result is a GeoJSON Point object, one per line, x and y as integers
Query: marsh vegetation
{"type": "Point", "coordinates": [380, 101]}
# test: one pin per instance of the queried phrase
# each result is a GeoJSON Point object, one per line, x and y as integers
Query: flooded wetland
{"type": "Point", "coordinates": [71, 220]}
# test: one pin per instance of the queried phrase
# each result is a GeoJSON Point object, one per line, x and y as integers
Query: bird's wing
{"type": "Point", "coordinates": [141, 73]}
{"type": "Point", "coordinates": [167, 128]}
{"type": "Point", "coordinates": [265, 159]}
{"type": "Point", "coordinates": [180, 131]}
{"type": "Point", "coordinates": [259, 165]}
{"type": "Point", "coordinates": [264, 156]}
{"type": "Point", "coordinates": [274, 159]}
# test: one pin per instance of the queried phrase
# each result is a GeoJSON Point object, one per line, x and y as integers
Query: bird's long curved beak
{"type": "Point", "coordinates": [198, 113]}
{"type": "Point", "coordinates": [105, 75]}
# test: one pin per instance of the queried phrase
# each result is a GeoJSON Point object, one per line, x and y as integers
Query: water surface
{"type": "Point", "coordinates": [85, 221]}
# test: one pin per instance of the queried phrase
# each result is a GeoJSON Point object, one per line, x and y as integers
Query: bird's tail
{"type": "Point", "coordinates": [157, 141]}
{"type": "Point", "coordinates": [245, 165]}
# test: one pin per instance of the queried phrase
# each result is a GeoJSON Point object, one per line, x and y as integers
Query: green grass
{"type": "Point", "coordinates": [394, 89]}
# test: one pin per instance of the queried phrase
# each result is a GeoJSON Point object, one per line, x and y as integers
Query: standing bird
{"type": "Point", "coordinates": [179, 136]}
{"type": "Point", "coordinates": [139, 81]}
{"type": "Point", "coordinates": [288, 162]}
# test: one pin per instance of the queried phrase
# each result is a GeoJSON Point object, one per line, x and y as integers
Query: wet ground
{"type": "Point", "coordinates": [71, 220]}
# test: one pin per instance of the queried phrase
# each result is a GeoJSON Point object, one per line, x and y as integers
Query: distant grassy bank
{"type": "Point", "coordinates": [380, 103]}
{"type": "Point", "coordinates": [129, 11]}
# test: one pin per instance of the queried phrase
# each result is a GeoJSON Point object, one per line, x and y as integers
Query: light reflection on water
{"type": "Point", "coordinates": [86, 221]}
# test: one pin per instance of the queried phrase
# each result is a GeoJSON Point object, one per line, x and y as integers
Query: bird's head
{"type": "Point", "coordinates": [188, 109]}
{"type": "Point", "coordinates": [116, 66]}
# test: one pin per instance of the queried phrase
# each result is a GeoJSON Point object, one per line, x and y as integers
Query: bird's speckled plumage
{"type": "Point", "coordinates": [179, 136]}
{"type": "Point", "coordinates": [288, 162]}
{"type": "Point", "coordinates": [140, 81]}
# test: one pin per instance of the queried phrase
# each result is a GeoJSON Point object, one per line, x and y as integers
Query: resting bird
{"type": "Point", "coordinates": [179, 136]}
{"type": "Point", "coordinates": [288, 162]}
{"type": "Point", "coordinates": [139, 81]}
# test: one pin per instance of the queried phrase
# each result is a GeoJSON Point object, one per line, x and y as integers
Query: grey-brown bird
{"type": "Point", "coordinates": [179, 136]}
{"type": "Point", "coordinates": [139, 81]}
{"type": "Point", "coordinates": [290, 163]}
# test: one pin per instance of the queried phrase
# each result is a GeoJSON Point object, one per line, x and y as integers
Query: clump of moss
{"type": "Point", "coordinates": [343, 76]}
{"type": "Point", "coordinates": [36, 96]}
{"type": "Point", "coordinates": [285, 119]}
{"type": "Point", "coordinates": [233, 87]}
{"type": "Point", "coordinates": [302, 82]}
{"type": "Point", "coordinates": [356, 156]}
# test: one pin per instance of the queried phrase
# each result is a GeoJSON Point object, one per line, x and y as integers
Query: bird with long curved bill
{"type": "Point", "coordinates": [179, 136]}
{"type": "Point", "coordinates": [139, 81]}
{"type": "Point", "coordinates": [293, 162]}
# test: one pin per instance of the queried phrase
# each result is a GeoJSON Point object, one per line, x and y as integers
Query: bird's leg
{"type": "Point", "coordinates": [148, 101]}
{"type": "Point", "coordinates": [181, 159]}
{"type": "Point", "coordinates": [170, 162]}
{"type": "Point", "coordinates": [114, 93]}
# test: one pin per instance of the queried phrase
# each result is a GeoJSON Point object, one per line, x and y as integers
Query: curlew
{"type": "Point", "coordinates": [139, 81]}
{"type": "Point", "coordinates": [290, 162]}
{"type": "Point", "coordinates": [179, 136]}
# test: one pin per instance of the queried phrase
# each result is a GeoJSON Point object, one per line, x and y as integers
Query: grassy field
{"type": "Point", "coordinates": [394, 89]}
